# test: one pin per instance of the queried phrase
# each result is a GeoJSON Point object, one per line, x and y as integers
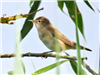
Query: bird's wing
{"type": "Point", "coordinates": [61, 36]}
{"type": "Point", "coordinates": [66, 40]}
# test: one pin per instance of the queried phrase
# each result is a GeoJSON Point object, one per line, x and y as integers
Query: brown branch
{"type": "Point", "coordinates": [5, 19]}
{"type": "Point", "coordinates": [49, 55]}
{"type": "Point", "coordinates": [88, 68]}
{"type": "Point", "coordinates": [35, 11]}
{"type": "Point", "coordinates": [40, 55]}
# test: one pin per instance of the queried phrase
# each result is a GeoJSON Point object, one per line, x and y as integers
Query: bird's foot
{"type": "Point", "coordinates": [44, 54]}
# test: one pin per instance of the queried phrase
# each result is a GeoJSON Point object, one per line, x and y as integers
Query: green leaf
{"type": "Point", "coordinates": [71, 10]}
{"type": "Point", "coordinates": [23, 66]}
{"type": "Point", "coordinates": [17, 64]}
{"type": "Point", "coordinates": [74, 66]}
{"type": "Point", "coordinates": [78, 46]}
{"type": "Point", "coordinates": [80, 72]}
{"type": "Point", "coordinates": [49, 67]}
{"type": "Point", "coordinates": [10, 72]}
{"type": "Point", "coordinates": [28, 25]}
{"type": "Point", "coordinates": [86, 1]}
{"type": "Point", "coordinates": [31, 1]}
{"type": "Point", "coordinates": [96, 7]}
{"type": "Point", "coordinates": [60, 4]}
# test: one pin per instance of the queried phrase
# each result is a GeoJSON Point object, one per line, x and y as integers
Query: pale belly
{"type": "Point", "coordinates": [48, 41]}
{"type": "Point", "coordinates": [52, 42]}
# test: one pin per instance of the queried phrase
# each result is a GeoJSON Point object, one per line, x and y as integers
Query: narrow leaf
{"type": "Point", "coordinates": [74, 66]}
{"type": "Point", "coordinates": [71, 10]}
{"type": "Point", "coordinates": [28, 25]}
{"type": "Point", "coordinates": [60, 4]}
{"type": "Point", "coordinates": [78, 53]}
{"type": "Point", "coordinates": [79, 71]}
{"type": "Point", "coordinates": [31, 1]}
{"type": "Point", "coordinates": [88, 4]}
{"type": "Point", "coordinates": [96, 7]}
{"type": "Point", "coordinates": [10, 73]}
{"type": "Point", "coordinates": [23, 66]}
{"type": "Point", "coordinates": [49, 67]}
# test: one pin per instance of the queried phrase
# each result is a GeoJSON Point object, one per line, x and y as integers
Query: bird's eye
{"type": "Point", "coordinates": [39, 21]}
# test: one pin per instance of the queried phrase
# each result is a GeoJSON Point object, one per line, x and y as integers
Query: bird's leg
{"type": "Point", "coordinates": [58, 54]}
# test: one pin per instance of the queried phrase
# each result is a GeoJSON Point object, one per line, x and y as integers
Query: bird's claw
{"type": "Point", "coordinates": [43, 55]}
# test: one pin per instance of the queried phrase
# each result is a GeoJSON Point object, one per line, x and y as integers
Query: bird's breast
{"type": "Point", "coordinates": [47, 39]}
{"type": "Point", "coordinates": [50, 41]}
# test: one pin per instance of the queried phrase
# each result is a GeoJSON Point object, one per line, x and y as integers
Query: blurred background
{"type": "Point", "coordinates": [32, 43]}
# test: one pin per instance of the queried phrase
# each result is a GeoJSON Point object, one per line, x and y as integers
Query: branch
{"type": "Point", "coordinates": [49, 55]}
{"type": "Point", "coordinates": [39, 55]}
{"type": "Point", "coordinates": [5, 19]}
{"type": "Point", "coordinates": [88, 68]}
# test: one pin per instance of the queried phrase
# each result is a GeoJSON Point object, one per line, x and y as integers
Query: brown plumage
{"type": "Point", "coordinates": [49, 35]}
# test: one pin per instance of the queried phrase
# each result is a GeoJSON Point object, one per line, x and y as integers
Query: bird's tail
{"type": "Point", "coordinates": [82, 47]}
{"type": "Point", "coordinates": [85, 48]}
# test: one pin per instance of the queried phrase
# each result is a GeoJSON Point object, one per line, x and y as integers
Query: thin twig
{"type": "Point", "coordinates": [35, 11]}
{"type": "Point", "coordinates": [7, 20]}
{"type": "Point", "coordinates": [40, 55]}
{"type": "Point", "coordinates": [50, 55]}
{"type": "Point", "coordinates": [88, 68]}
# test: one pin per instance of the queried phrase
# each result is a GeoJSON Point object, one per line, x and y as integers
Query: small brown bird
{"type": "Point", "coordinates": [49, 35]}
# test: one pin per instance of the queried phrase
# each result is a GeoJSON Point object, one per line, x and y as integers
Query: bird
{"type": "Point", "coordinates": [49, 35]}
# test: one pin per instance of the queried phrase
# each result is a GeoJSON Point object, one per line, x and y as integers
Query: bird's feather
{"type": "Point", "coordinates": [60, 35]}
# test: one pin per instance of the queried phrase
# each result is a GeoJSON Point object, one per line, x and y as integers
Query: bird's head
{"type": "Point", "coordinates": [40, 22]}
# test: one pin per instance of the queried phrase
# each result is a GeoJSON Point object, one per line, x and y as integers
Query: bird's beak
{"type": "Point", "coordinates": [31, 21]}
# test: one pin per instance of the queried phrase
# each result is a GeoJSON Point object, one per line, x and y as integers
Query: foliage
{"type": "Point", "coordinates": [76, 17]}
